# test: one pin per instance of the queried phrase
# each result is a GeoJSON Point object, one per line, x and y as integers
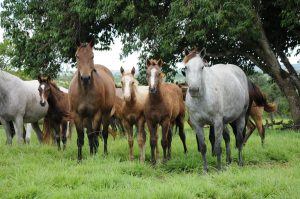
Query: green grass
{"type": "Point", "coordinates": [40, 171]}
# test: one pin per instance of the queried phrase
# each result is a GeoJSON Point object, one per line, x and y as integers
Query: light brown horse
{"type": "Point", "coordinates": [132, 110]}
{"type": "Point", "coordinates": [91, 96]}
{"type": "Point", "coordinates": [164, 106]}
{"type": "Point", "coordinates": [58, 111]}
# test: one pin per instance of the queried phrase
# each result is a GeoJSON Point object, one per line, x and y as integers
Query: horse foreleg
{"type": "Point", "coordinates": [249, 130]}
{"type": "Point", "coordinates": [129, 130]}
{"type": "Point", "coordinates": [64, 128]}
{"type": "Point", "coordinates": [38, 131]}
{"type": "Point", "coordinates": [56, 127]}
{"type": "Point", "coordinates": [18, 125]}
{"type": "Point", "coordinates": [8, 131]}
{"type": "Point", "coordinates": [218, 125]}
{"type": "Point", "coordinates": [142, 138]}
{"type": "Point", "coordinates": [80, 137]}
{"type": "Point", "coordinates": [153, 139]}
{"type": "Point", "coordinates": [164, 139]}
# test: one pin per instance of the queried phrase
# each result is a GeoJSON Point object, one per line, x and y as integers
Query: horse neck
{"type": "Point", "coordinates": [133, 98]}
{"type": "Point", "coordinates": [55, 96]}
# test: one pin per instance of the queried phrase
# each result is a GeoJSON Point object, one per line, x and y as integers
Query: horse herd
{"type": "Point", "coordinates": [216, 95]}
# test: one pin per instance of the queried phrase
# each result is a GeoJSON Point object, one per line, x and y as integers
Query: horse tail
{"type": "Point", "coordinates": [259, 98]}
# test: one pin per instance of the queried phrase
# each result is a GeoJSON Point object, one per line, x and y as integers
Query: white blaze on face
{"type": "Point", "coordinates": [43, 92]}
{"type": "Point", "coordinates": [126, 85]}
{"type": "Point", "coordinates": [152, 77]}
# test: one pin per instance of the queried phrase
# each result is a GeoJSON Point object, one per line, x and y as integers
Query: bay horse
{"type": "Point", "coordinates": [58, 111]}
{"type": "Point", "coordinates": [91, 97]}
{"type": "Point", "coordinates": [19, 103]}
{"type": "Point", "coordinates": [164, 106]}
{"type": "Point", "coordinates": [216, 95]}
{"type": "Point", "coordinates": [132, 110]}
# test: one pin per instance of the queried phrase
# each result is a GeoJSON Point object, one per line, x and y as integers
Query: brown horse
{"type": "Point", "coordinates": [132, 110]}
{"type": "Point", "coordinates": [164, 106]}
{"type": "Point", "coordinates": [256, 113]}
{"type": "Point", "coordinates": [58, 110]}
{"type": "Point", "coordinates": [91, 96]}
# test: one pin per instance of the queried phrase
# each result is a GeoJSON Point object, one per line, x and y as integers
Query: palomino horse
{"type": "Point", "coordinates": [91, 96]}
{"type": "Point", "coordinates": [132, 111]}
{"type": "Point", "coordinates": [58, 111]}
{"type": "Point", "coordinates": [19, 103]}
{"type": "Point", "coordinates": [164, 106]}
{"type": "Point", "coordinates": [217, 95]}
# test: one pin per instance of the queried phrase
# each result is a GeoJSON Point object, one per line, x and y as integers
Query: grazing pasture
{"type": "Point", "coordinates": [40, 171]}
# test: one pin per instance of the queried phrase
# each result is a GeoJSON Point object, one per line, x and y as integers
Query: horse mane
{"type": "Point", "coordinates": [53, 84]}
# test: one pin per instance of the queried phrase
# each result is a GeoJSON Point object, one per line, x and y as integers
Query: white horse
{"type": "Point", "coordinates": [217, 95]}
{"type": "Point", "coordinates": [20, 103]}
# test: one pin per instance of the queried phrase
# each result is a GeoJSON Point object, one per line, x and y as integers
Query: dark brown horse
{"type": "Point", "coordinates": [164, 106]}
{"type": "Point", "coordinates": [58, 110]}
{"type": "Point", "coordinates": [91, 96]}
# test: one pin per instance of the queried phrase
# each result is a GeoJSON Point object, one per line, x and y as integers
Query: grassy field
{"type": "Point", "coordinates": [38, 171]}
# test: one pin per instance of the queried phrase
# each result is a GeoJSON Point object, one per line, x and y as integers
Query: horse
{"type": "Point", "coordinates": [58, 111]}
{"type": "Point", "coordinates": [216, 95]}
{"type": "Point", "coordinates": [132, 110]}
{"type": "Point", "coordinates": [19, 103]}
{"type": "Point", "coordinates": [163, 106]}
{"type": "Point", "coordinates": [91, 98]}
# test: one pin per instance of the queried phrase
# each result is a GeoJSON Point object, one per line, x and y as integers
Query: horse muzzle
{"type": "Point", "coordinates": [86, 79]}
{"type": "Point", "coordinates": [194, 91]}
{"type": "Point", "coordinates": [152, 90]}
{"type": "Point", "coordinates": [42, 103]}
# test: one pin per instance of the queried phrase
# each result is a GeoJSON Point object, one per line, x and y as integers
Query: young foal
{"type": "Point", "coordinates": [164, 106]}
{"type": "Point", "coordinates": [58, 108]}
{"type": "Point", "coordinates": [132, 111]}
{"type": "Point", "coordinates": [91, 96]}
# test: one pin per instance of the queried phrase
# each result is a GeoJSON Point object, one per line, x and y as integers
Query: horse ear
{"type": "Point", "coordinates": [186, 52]}
{"type": "Point", "coordinates": [162, 75]}
{"type": "Point", "coordinates": [48, 79]}
{"type": "Point", "coordinates": [160, 62]}
{"type": "Point", "coordinates": [122, 70]}
{"type": "Point", "coordinates": [148, 63]}
{"type": "Point", "coordinates": [183, 72]}
{"type": "Point", "coordinates": [203, 52]}
{"type": "Point", "coordinates": [133, 70]}
{"type": "Point", "coordinates": [40, 78]}
{"type": "Point", "coordinates": [78, 43]}
{"type": "Point", "coordinates": [92, 43]}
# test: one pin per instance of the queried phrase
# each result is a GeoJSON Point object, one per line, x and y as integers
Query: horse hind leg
{"type": "Point", "coordinates": [260, 128]}
{"type": "Point", "coordinates": [38, 131]}
{"type": "Point", "coordinates": [180, 124]}
{"type": "Point", "coordinates": [170, 134]}
{"type": "Point", "coordinates": [8, 131]}
{"type": "Point", "coordinates": [240, 128]}
{"type": "Point", "coordinates": [226, 138]}
{"type": "Point", "coordinates": [57, 135]}
{"type": "Point", "coordinates": [18, 125]}
{"type": "Point", "coordinates": [105, 132]}
{"type": "Point", "coordinates": [250, 127]}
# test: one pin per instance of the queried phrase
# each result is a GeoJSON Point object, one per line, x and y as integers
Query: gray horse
{"type": "Point", "coordinates": [217, 95]}
{"type": "Point", "coordinates": [20, 103]}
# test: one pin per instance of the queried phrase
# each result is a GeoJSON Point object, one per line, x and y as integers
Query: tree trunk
{"type": "Point", "coordinates": [271, 66]}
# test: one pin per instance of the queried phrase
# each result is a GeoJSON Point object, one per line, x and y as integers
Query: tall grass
{"type": "Point", "coordinates": [40, 171]}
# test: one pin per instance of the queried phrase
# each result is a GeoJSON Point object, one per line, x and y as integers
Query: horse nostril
{"type": "Point", "coordinates": [85, 78]}
{"type": "Point", "coordinates": [194, 89]}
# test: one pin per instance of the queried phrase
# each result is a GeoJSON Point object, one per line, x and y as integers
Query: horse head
{"type": "Point", "coordinates": [85, 62]}
{"type": "Point", "coordinates": [154, 74]}
{"type": "Point", "coordinates": [44, 89]}
{"type": "Point", "coordinates": [129, 83]}
{"type": "Point", "coordinates": [193, 70]}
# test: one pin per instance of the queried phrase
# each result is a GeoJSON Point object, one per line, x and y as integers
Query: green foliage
{"type": "Point", "coordinates": [272, 92]}
{"type": "Point", "coordinates": [40, 171]}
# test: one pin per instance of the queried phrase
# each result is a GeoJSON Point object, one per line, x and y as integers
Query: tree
{"type": "Point", "coordinates": [244, 32]}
